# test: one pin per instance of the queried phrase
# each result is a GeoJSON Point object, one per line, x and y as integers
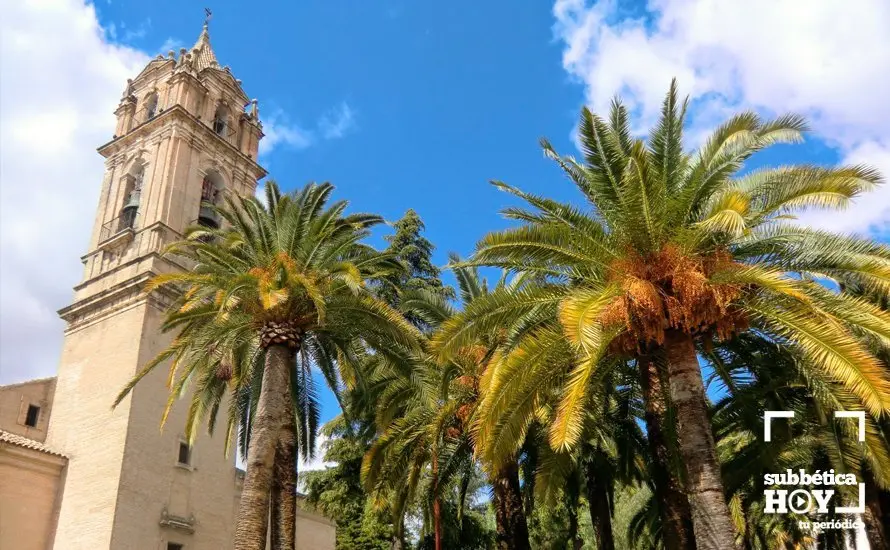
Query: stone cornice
{"type": "Point", "coordinates": [178, 112]}
{"type": "Point", "coordinates": [113, 300]}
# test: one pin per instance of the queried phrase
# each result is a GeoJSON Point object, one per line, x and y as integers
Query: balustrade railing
{"type": "Point", "coordinates": [125, 222]}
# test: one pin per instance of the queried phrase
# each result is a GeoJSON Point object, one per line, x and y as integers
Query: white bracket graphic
{"type": "Point", "coordinates": [860, 509]}
{"type": "Point", "coordinates": [769, 415]}
{"type": "Point", "coordinates": [860, 415]}
{"type": "Point", "coordinates": [768, 421]}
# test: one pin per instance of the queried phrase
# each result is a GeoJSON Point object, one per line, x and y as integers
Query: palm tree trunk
{"type": "Point", "coordinates": [600, 509]}
{"type": "Point", "coordinates": [253, 509]}
{"type": "Point", "coordinates": [574, 538]}
{"type": "Point", "coordinates": [711, 520]}
{"type": "Point", "coordinates": [673, 506]}
{"type": "Point", "coordinates": [398, 535]}
{"type": "Point", "coordinates": [284, 486]}
{"type": "Point", "coordinates": [511, 525]}
{"type": "Point", "coordinates": [873, 516]}
{"type": "Point", "coordinates": [437, 505]}
{"type": "Point", "coordinates": [884, 501]}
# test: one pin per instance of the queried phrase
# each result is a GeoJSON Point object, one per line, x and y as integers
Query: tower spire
{"type": "Point", "coordinates": [202, 53]}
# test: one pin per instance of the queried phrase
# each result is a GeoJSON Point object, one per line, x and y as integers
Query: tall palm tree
{"type": "Point", "coordinates": [438, 425]}
{"type": "Point", "coordinates": [675, 249]}
{"type": "Point", "coordinates": [281, 279]}
{"type": "Point", "coordinates": [462, 378]}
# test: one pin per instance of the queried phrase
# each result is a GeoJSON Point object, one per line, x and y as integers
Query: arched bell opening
{"type": "Point", "coordinates": [132, 197]}
{"type": "Point", "coordinates": [211, 191]}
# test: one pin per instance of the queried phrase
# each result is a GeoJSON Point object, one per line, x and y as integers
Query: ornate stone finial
{"type": "Point", "coordinates": [170, 54]}
{"type": "Point", "coordinates": [128, 91]}
{"type": "Point", "coordinates": [254, 109]}
{"type": "Point", "coordinates": [182, 52]}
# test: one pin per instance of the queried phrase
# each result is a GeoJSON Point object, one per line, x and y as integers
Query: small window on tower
{"type": "Point", "coordinates": [32, 416]}
{"type": "Point", "coordinates": [185, 454]}
{"type": "Point", "coordinates": [174, 546]}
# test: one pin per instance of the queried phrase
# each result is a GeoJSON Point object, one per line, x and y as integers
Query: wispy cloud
{"type": "Point", "coordinates": [170, 44]}
{"type": "Point", "coordinates": [140, 31]}
{"type": "Point", "coordinates": [279, 131]}
{"type": "Point", "coordinates": [826, 62]}
{"type": "Point", "coordinates": [337, 122]}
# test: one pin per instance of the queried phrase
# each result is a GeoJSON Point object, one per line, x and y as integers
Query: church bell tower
{"type": "Point", "coordinates": [186, 136]}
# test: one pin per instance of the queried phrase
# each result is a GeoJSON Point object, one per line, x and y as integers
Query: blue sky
{"type": "Point", "coordinates": [441, 101]}
{"type": "Point", "coordinates": [412, 104]}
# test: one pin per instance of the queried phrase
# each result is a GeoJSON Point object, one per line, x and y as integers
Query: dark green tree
{"type": "Point", "coordinates": [415, 251]}
{"type": "Point", "coordinates": [337, 492]}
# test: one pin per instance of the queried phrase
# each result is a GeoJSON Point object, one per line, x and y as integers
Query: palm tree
{"type": "Point", "coordinates": [676, 249]}
{"type": "Point", "coordinates": [436, 427]}
{"type": "Point", "coordinates": [611, 454]}
{"type": "Point", "coordinates": [462, 378]}
{"type": "Point", "coordinates": [281, 280]}
{"type": "Point", "coordinates": [762, 376]}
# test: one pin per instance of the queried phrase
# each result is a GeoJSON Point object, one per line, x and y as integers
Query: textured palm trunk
{"type": "Point", "coordinates": [575, 539]}
{"type": "Point", "coordinates": [398, 535]}
{"type": "Point", "coordinates": [437, 505]}
{"type": "Point", "coordinates": [511, 525]}
{"type": "Point", "coordinates": [284, 486]}
{"type": "Point", "coordinates": [875, 530]}
{"type": "Point", "coordinates": [711, 520]}
{"type": "Point", "coordinates": [673, 506]}
{"type": "Point", "coordinates": [884, 500]}
{"type": "Point", "coordinates": [600, 509]}
{"type": "Point", "coordinates": [253, 509]}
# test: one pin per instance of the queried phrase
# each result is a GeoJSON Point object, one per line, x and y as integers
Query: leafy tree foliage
{"type": "Point", "coordinates": [415, 251]}
{"type": "Point", "coordinates": [337, 492]}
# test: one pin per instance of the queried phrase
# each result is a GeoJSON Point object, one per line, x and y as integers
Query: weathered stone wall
{"type": "Point", "coordinates": [14, 401]}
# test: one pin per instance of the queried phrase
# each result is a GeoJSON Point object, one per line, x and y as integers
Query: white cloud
{"type": "Point", "coordinates": [827, 60]}
{"type": "Point", "coordinates": [277, 131]}
{"type": "Point", "coordinates": [61, 81]}
{"type": "Point", "coordinates": [337, 122]}
{"type": "Point", "coordinates": [334, 124]}
{"type": "Point", "coordinates": [61, 77]}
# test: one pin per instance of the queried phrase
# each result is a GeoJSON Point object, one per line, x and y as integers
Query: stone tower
{"type": "Point", "coordinates": [186, 135]}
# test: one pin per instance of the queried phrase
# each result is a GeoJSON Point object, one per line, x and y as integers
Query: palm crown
{"type": "Point", "coordinates": [280, 287]}
{"type": "Point", "coordinates": [675, 249]}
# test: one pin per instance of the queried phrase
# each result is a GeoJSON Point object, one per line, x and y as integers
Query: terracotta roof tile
{"type": "Point", "coordinates": [20, 441]}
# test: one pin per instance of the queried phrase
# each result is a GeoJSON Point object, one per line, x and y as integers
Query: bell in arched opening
{"type": "Point", "coordinates": [131, 201]}
{"type": "Point", "coordinates": [207, 216]}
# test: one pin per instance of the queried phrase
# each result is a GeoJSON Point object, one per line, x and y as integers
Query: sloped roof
{"type": "Point", "coordinates": [20, 441]}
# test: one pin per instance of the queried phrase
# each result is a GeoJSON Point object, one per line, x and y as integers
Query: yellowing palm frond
{"type": "Point", "coordinates": [830, 347]}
